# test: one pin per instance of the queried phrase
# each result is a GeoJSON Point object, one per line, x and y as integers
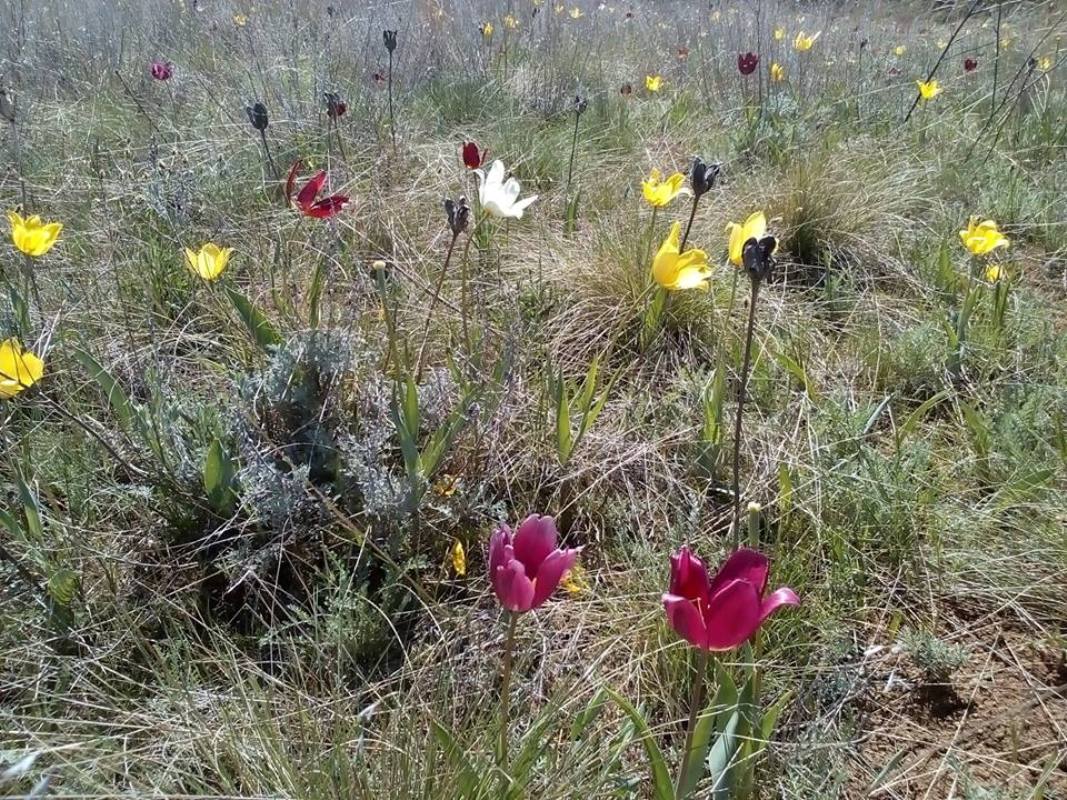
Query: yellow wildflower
{"type": "Point", "coordinates": [777, 72]}
{"type": "Point", "coordinates": [31, 236]}
{"type": "Point", "coordinates": [993, 273]}
{"type": "Point", "coordinates": [653, 83]}
{"type": "Point", "coordinates": [459, 558]}
{"type": "Point", "coordinates": [982, 237]}
{"type": "Point", "coordinates": [1045, 63]}
{"type": "Point", "coordinates": [928, 90]}
{"type": "Point", "coordinates": [659, 192]}
{"type": "Point", "coordinates": [899, 50]}
{"type": "Point", "coordinates": [755, 227]}
{"type": "Point", "coordinates": [240, 20]}
{"type": "Point", "coordinates": [510, 23]}
{"type": "Point", "coordinates": [803, 43]}
{"type": "Point", "coordinates": [487, 30]}
{"type": "Point", "coordinates": [779, 34]}
{"type": "Point", "coordinates": [574, 581]}
{"type": "Point", "coordinates": [19, 369]}
{"type": "Point", "coordinates": [209, 261]}
{"type": "Point", "coordinates": [576, 13]}
{"type": "Point", "coordinates": [674, 270]}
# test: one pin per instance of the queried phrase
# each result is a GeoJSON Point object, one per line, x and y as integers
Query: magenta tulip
{"type": "Point", "coordinates": [162, 70]}
{"type": "Point", "coordinates": [725, 612]}
{"type": "Point", "coordinates": [527, 567]}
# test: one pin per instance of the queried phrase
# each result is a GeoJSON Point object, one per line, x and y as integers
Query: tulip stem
{"type": "Point", "coordinates": [696, 702]}
{"type": "Point", "coordinates": [570, 165]}
{"type": "Point", "coordinates": [266, 149]}
{"type": "Point", "coordinates": [392, 119]}
{"type": "Point", "coordinates": [433, 305]}
{"type": "Point", "coordinates": [505, 687]}
{"type": "Point", "coordinates": [745, 365]}
{"type": "Point", "coordinates": [651, 236]}
{"type": "Point", "coordinates": [689, 225]}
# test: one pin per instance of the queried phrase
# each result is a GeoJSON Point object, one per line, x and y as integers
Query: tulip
{"type": "Point", "coordinates": [899, 50]}
{"type": "Point", "coordinates": [162, 70]}
{"type": "Point", "coordinates": [526, 568]}
{"type": "Point", "coordinates": [457, 214]}
{"type": "Point", "coordinates": [746, 63]}
{"type": "Point", "coordinates": [498, 196]}
{"type": "Point", "coordinates": [510, 23]}
{"type": "Point", "coordinates": [576, 13]}
{"type": "Point", "coordinates": [658, 192]}
{"type": "Point", "coordinates": [257, 116]}
{"type": "Point", "coordinates": [928, 90]}
{"type": "Point", "coordinates": [389, 40]}
{"type": "Point", "coordinates": [209, 261]}
{"type": "Point", "coordinates": [970, 64]}
{"type": "Point", "coordinates": [777, 72]}
{"type": "Point", "coordinates": [779, 34]}
{"type": "Point", "coordinates": [984, 237]}
{"type": "Point", "coordinates": [19, 369]}
{"type": "Point", "coordinates": [803, 43]}
{"type": "Point", "coordinates": [725, 612]}
{"type": "Point", "coordinates": [487, 30]}
{"type": "Point", "coordinates": [305, 199]}
{"type": "Point", "coordinates": [335, 106]}
{"type": "Point", "coordinates": [993, 273]}
{"type": "Point", "coordinates": [758, 257]}
{"type": "Point", "coordinates": [472, 156]}
{"type": "Point", "coordinates": [32, 236]}
{"type": "Point", "coordinates": [702, 176]}
{"type": "Point", "coordinates": [755, 227]}
{"type": "Point", "coordinates": [653, 83]}
{"type": "Point", "coordinates": [674, 270]}
{"type": "Point", "coordinates": [458, 557]}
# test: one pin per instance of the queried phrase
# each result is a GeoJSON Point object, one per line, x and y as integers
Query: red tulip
{"type": "Point", "coordinates": [527, 568]}
{"type": "Point", "coordinates": [162, 70]}
{"type": "Point", "coordinates": [472, 156]}
{"type": "Point", "coordinates": [305, 198]}
{"type": "Point", "coordinates": [725, 612]}
{"type": "Point", "coordinates": [747, 62]}
{"type": "Point", "coordinates": [970, 64]}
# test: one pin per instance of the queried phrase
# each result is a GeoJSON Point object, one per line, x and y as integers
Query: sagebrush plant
{"type": "Point", "coordinates": [262, 402]}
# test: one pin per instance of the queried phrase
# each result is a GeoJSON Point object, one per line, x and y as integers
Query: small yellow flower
{"type": "Point", "coordinates": [993, 273]}
{"type": "Point", "coordinates": [777, 72]}
{"type": "Point", "coordinates": [899, 50]}
{"type": "Point", "coordinates": [755, 227]}
{"type": "Point", "coordinates": [240, 20]}
{"type": "Point", "coordinates": [1045, 63]}
{"type": "Point", "coordinates": [574, 581]}
{"type": "Point", "coordinates": [510, 23]}
{"type": "Point", "coordinates": [779, 34]}
{"type": "Point", "coordinates": [459, 558]}
{"type": "Point", "coordinates": [716, 16]}
{"type": "Point", "coordinates": [446, 486]}
{"type": "Point", "coordinates": [209, 262]}
{"type": "Point", "coordinates": [559, 8]}
{"type": "Point", "coordinates": [19, 369]}
{"type": "Point", "coordinates": [928, 90]}
{"type": "Point", "coordinates": [487, 30]}
{"type": "Point", "coordinates": [941, 44]}
{"type": "Point", "coordinates": [31, 236]}
{"type": "Point", "coordinates": [982, 237]}
{"type": "Point", "coordinates": [803, 43]}
{"type": "Point", "coordinates": [658, 192]}
{"type": "Point", "coordinates": [674, 270]}
{"type": "Point", "coordinates": [653, 82]}
{"type": "Point", "coordinates": [576, 13]}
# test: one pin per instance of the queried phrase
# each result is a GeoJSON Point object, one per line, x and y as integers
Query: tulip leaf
{"type": "Point", "coordinates": [219, 474]}
{"type": "Point", "coordinates": [315, 293]}
{"type": "Point", "coordinates": [265, 334]}
{"type": "Point", "coordinates": [30, 507]}
{"type": "Point", "coordinates": [661, 777]}
{"type": "Point", "coordinates": [62, 584]}
{"type": "Point", "coordinates": [588, 715]}
{"type": "Point", "coordinates": [702, 732]}
{"type": "Point", "coordinates": [916, 416]}
{"type": "Point", "coordinates": [468, 777]}
{"type": "Point", "coordinates": [720, 760]}
{"type": "Point", "coordinates": [117, 398]}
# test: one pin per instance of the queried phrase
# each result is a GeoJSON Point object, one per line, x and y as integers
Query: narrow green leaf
{"type": "Point", "coordinates": [116, 395]}
{"type": "Point", "coordinates": [468, 776]}
{"type": "Point", "coordinates": [916, 416]}
{"type": "Point", "coordinates": [62, 586]}
{"type": "Point", "coordinates": [30, 508]}
{"type": "Point", "coordinates": [315, 293]}
{"type": "Point", "coordinates": [705, 727]}
{"type": "Point", "coordinates": [661, 778]}
{"type": "Point", "coordinates": [265, 334]}
{"type": "Point", "coordinates": [720, 760]}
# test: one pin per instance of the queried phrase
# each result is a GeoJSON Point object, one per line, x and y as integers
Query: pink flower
{"type": "Point", "coordinates": [527, 568]}
{"type": "Point", "coordinates": [162, 70]}
{"type": "Point", "coordinates": [305, 198]}
{"type": "Point", "coordinates": [725, 612]}
{"type": "Point", "coordinates": [747, 62]}
{"type": "Point", "coordinates": [472, 156]}
{"type": "Point", "coordinates": [970, 64]}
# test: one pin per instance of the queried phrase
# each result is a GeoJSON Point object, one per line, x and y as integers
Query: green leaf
{"type": "Point", "coordinates": [702, 732]}
{"type": "Point", "coordinates": [62, 586]}
{"type": "Point", "coordinates": [721, 758]}
{"type": "Point", "coordinates": [30, 508]}
{"type": "Point", "coordinates": [661, 778]}
{"type": "Point", "coordinates": [468, 776]}
{"type": "Point", "coordinates": [116, 395]}
{"type": "Point", "coordinates": [916, 416]}
{"type": "Point", "coordinates": [315, 293]}
{"type": "Point", "coordinates": [265, 334]}
{"type": "Point", "coordinates": [588, 715]}
{"type": "Point", "coordinates": [219, 473]}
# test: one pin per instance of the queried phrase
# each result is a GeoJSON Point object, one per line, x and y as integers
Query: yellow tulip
{"type": "Point", "coordinates": [755, 227]}
{"type": "Point", "coordinates": [779, 34]}
{"type": "Point", "coordinates": [510, 23]}
{"type": "Point", "coordinates": [899, 50]}
{"type": "Point", "coordinates": [1045, 63]}
{"type": "Point", "coordinates": [459, 558]}
{"type": "Point", "coordinates": [804, 43]}
{"type": "Point", "coordinates": [993, 273]}
{"type": "Point", "coordinates": [487, 30]}
{"type": "Point", "coordinates": [653, 83]}
{"type": "Point", "coordinates": [982, 237]}
{"type": "Point", "coordinates": [240, 20]}
{"type": "Point", "coordinates": [673, 270]}
{"type": "Point", "coordinates": [19, 369]}
{"type": "Point", "coordinates": [31, 236]}
{"type": "Point", "coordinates": [209, 262]}
{"type": "Point", "coordinates": [928, 90]}
{"type": "Point", "coordinates": [576, 13]}
{"type": "Point", "coordinates": [658, 192]}
{"type": "Point", "coordinates": [777, 72]}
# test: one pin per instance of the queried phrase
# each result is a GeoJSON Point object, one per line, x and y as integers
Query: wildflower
{"type": "Point", "coordinates": [993, 273]}
{"type": "Point", "coordinates": [928, 90]}
{"type": "Point", "coordinates": [335, 106]}
{"type": "Point", "coordinates": [803, 43]}
{"type": "Point", "coordinates": [724, 612]}
{"type": "Point", "coordinates": [779, 34]}
{"type": "Point", "coordinates": [472, 156]}
{"type": "Point", "coordinates": [32, 236]}
{"type": "Point", "coordinates": [487, 30]}
{"type": "Point", "coordinates": [305, 199]}
{"type": "Point", "coordinates": [653, 83]}
{"type": "Point", "coordinates": [576, 13]}
{"type": "Point", "coordinates": [459, 558]}
{"type": "Point", "coordinates": [899, 50]}
{"type": "Point", "coordinates": [447, 485]}
{"type": "Point", "coordinates": [777, 72]}
{"type": "Point", "coordinates": [378, 77]}
{"type": "Point", "coordinates": [1045, 63]}
{"type": "Point", "coordinates": [683, 53]}
{"type": "Point", "coordinates": [755, 227]}
{"type": "Point", "coordinates": [941, 44]}
{"type": "Point", "coordinates": [702, 176]}
{"type": "Point", "coordinates": [257, 116]}
{"type": "Point", "coordinates": [757, 255]}
{"type": "Point", "coordinates": [499, 197]}
{"type": "Point", "coordinates": [984, 237]}
{"type": "Point", "coordinates": [580, 104]}
{"type": "Point", "coordinates": [746, 63]}
{"type": "Point", "coordinates": [674, 270]}
{"type": "Point", "coordinates": [161, 70]}
{"type": "Point", "coordinates": [525, 568]}
{"type": "Point", "coordinates": [510, 23]}
{"type": "Point", "coordinates": [457, 214]}
{"type": "Point", "coordinates": [574, 582]}
{"type": "Point", "coordinates": [658, 192]}
{"type": "Point", "coordinates": [240, 20]}
{"type": "Point", "coordinates": [208, 262]}
{"type": "Point", "coordinates": [389, 40]}
{"type": "Point", "coordinates": [970, 64]}
{"type": "Point", "coordinates": [19, 369]}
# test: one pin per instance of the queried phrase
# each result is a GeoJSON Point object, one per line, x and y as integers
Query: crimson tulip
{"type": "Point", "coordinates": [472, 156]}
{"type": "Point", "coordinates": [970, 64]}
{"type": "Point", "coordinates": [162, 70]}
{"type": "Point", "coordinates": [525, 568]}
{"type": "Point", "coordinates": [725, 612]}
{"type": "Point", "coordinates": [305, 198]}
{"type": "Point", "coordinates": [747, 62]}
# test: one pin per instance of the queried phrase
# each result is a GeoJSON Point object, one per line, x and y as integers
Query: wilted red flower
{"type": "Point", "coordinates": [747, 62]}
{"type": "Point", "coordinates": [893, 72]}
{"type": "Point", "coordinates": [472, 156]}
{"type": "Point", "coordinates": [626, 90]}
{"type": "Point", "coordinates": [683, 53]}
{"type": "Point", "coordinates": [970, 64]}
{"type": "Point", "coordinates": [378, 78]}
{"type": "Point", "coordinates": [162, 70]}
{"type": "Point", "coordinates": [335, 106]}
{"type": "Point", "coordinates": [305, 198]}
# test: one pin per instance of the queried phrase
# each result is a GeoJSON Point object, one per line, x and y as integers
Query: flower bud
{"type": "Point", "coordinates": [458, 215]}
{"type": "Point", "coordinates": [702, 176]}
{"type": "Point", "coordinates": [257, 115]}
{"type": "Point", "coordinates": [389, 38]}
{"type": "Point", "coordinates": [757, 256]}
{"type": "Point", "coordinates": [335, 106]}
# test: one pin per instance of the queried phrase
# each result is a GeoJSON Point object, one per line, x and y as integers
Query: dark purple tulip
{"type": "Point", "coordinates": [162, 70]}
{"type": "Point", "coordinates": [747, 62]}
{"type": "Point", "coordinates": [970, 64]}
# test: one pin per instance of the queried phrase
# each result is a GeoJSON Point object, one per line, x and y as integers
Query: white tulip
{"type": "Point", "coordinates": [498, 196]}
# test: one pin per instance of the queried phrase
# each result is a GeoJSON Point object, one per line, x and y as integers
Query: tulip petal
{"type": "Point", "coordinates": [684, 616]}
{"type": "Point", "coordinates": [290, 182]}
{"type": "Point", "coordinates": [513, 588]}
{"type": "Point", "coordinates": [500, 540]}
{"type": "Point", "coordinates": [732, 616]}
{"type": "Point", "coordinates": [689, 576]}
{"type": "Point", "coordinates": [327, 206]}
{"type": "Point", "coordinates": [775, 600]}
{"type": "Point", "coordinates": [744, 564]}
{"type": "Point", "coordinates": [311, 189]}
{"type": "Point", "coordinates": [550, 573]}
{"type": "Point", "coordinates": [534, 540]}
